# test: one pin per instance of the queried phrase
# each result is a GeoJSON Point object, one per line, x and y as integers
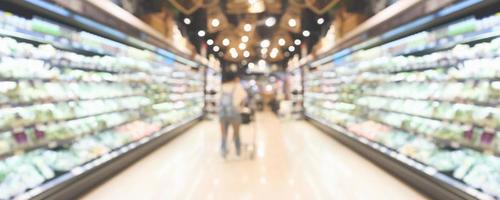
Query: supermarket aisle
{"type": "Point", "coordinates": [294, 161]}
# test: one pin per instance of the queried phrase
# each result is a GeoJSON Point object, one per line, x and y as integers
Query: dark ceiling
{"type": "Point", "coordinates": [308, 20]}
{"type": "Point", "coordinates": [234, 30]}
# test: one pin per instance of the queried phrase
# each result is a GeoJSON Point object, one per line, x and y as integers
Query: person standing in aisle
{"type": "Point", "coordinates": [231, 102]}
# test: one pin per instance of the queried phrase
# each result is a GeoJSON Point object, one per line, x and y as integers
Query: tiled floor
{"type": "Point", "coordinates": [294, 161]}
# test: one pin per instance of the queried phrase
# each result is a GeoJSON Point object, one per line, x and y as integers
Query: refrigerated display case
{"type": "Point", "coordinates": [425, 106]}
{"type": "Point", "coordinates": [77, 107]}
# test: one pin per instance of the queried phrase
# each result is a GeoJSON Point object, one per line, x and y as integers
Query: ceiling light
{"type": "Point", "coordinates": [281, 42]}
{"type": "Point", "coordinates": [226, 42]}
{"type": "Point", "coordinates": [215, 22]}
{"type": "Point", "coordinates": [216, 48]}
{"type": "Point", "coordinates": [263, 51]}
{"type": "Point", "coordinates": [274, 53]}
{"type": "Point", "coordinates": [247, 27]}
{"type": "Point", "coordinates": [201, 33]}
{"type": "Point", "coordinates": [235, 55]}
{"type": "Point", "coordinates": [262, 62]}
{"type": "Point", "coordinates": [269, 88]}
{"type": "Point", "coordinates": [297, 42]}
{"type": "Point", "coordinates": [270, 21]}
{"type": "Point", "coordinates": [320, 21]}
{"type": "Point", "coordinates": [187, 21]}
{"type": "Point", "coordinates": [265, 43]}
{"type": "Point", "coordinates": [306, 33]}
{"type": "Point", "coordinates": [233, 50]}
{"type": "Point", "coordinates": [242, 46]}
{"type": "Point", "coordinates": [292, 22]}
{"type": "Point", "coordinates": [210, 41]}
{"type": "Point", "coordinates": [246, 54]}
{"type": "Point", "coordinates": [291, 48]}
{"type": "Point", "coordinates": [244, 38]}
{"type": "Point", "coordinates": [251, 65]}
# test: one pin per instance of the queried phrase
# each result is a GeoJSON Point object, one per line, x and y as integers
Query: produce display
{"type": "Point", "coordinates": [439, 106]}
{"type": "Point", "coordinates": [63, 110]}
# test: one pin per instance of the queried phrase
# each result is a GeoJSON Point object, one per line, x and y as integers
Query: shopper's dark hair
{"type": "Point", "coordinates": [229, 76]}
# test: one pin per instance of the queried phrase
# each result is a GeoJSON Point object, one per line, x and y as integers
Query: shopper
{"type": "Point", "coordinates": [231, 102]}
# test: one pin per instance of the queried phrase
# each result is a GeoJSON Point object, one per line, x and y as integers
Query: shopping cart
{"type": "Point", "coordinates": [248, 133]}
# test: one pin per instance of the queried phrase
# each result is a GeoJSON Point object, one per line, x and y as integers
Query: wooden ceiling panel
{"type": "Point", "coordinates": [292, 13]}
{"type": "Point", "coordinates": [210, 3]}
{"type": "Point", "coordinates": [187, 6]}
{"type": "Point", "coordinates": [321, 6]}
{"type": "Point", "coordinates": [215, 13]}
{"type": "Point", "coordinates": [245, 6]}
{"type": "Point", "coordinates": [297, 3]}
{"type": "Point", "coordinates": [273, 6]}
{"type": "Point", "coordinates": [233, 15]}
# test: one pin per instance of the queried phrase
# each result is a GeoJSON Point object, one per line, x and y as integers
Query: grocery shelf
{"type": "Point", "coordinates": [117, 85]}
{"type": "Point", "coordinates": [450, 42]}
{"type": "Point", "coordinates": [189, 96]}
{"type": "Point", "coordinates": [453, 121]}
{"type": "Point", "coordinates": [57, 143]}
{"type": "Point", "coordinates": [443, 65]}
{"type": "Point", "coordinates": [441, 141]}
{"type": "Point", "coordinates": [426, 117]}
{"type": "Point", "coordinates": [34, 102]}
{"type": "Point", "coordinates": [102, 18]}
{"type": "Point", "coordinates": [61, 142]}
{"type": "Point", "coordinates": [471, 102]}
{"type": "Point", "coordinates": [425, 19]}
{"type": "Point", "coordinates": [424, 96]}
{"type": "Point", "coordinates": [58, 121]}
{"type": "Point", "coordinates": [65, 64]}
{"type": "Point", "coordinates": [425, 178]}
{"type": "Point", "coordinates": [53, 79]}
{"type": "Point", "coordinates": [444, 80]}
{"type": "Point", "coordinates": [45, 39]}
{"type": "Point", "coordinates": [73, 183]}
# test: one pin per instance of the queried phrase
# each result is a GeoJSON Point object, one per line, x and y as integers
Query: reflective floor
{"type": "Point", "coordinates": [294, 160]}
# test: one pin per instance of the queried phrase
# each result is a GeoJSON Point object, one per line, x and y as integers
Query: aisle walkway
{"type": "Point", "coordinates": [294, 161]}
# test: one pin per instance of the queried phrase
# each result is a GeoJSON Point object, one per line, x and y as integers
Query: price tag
{"type": "Point", "coordinates": [20, 135]}
{"type": "Point", "coordinates": [77, 171]}
{"type": "Point", "coordinates": [431, 171]}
